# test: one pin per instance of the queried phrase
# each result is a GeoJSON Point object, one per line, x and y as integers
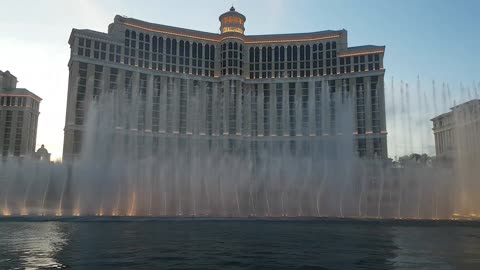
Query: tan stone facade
{"type": "Point", "coordinates": [19, 110]}
{"type": "Point", "coordinates": [230, 84]}
{"type": "Point", "coordinates": [457, 133]}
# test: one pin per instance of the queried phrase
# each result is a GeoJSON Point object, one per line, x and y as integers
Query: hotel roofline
{"type": "Point", "coordinates": [125, 22]}
{"type": "Point", "coordinates": [19, 92]}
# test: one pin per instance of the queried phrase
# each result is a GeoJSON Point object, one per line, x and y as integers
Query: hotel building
{"type": "Point", "coordinates": [457, 133]}
{"type": "Point", "coordinates": [19, 110]}
{"type": "Point", "coordinates": [228, 84]}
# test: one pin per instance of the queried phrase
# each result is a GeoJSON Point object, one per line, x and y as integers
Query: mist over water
{"type": "Point", "coordinates": [124, 172]}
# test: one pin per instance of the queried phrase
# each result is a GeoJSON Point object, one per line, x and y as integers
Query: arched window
{"type": "Point", "coordinates": [182, 48]}
{"type": "Point", "coordinates": [154, 44]}
{"type": "Point", "coordinates": [334, 45]}
{"type": "Point", "coordinates": [200, 54]}
{"type": "Point", "coordinates": [289, 53]}
{"type": "Point", "coordinates": [127, 33]}
{"type": "Point", "coordinates": [207, 51]}
{"type": "Point", "coordinates": [314, 47]}
{"type": "Point", "coordinates": [230, 45]}
{"type": "Point", "coordinates": [307, 52]}
{"type": "Point", "coordinates": [295, 53]}
{"type": "Point", "coordinates": [147, 42]}
{"type": "Point", "coordinates": [235, 46]}
{"type": "Point", "coordinates": [320, 47]}
{"type": "Point", "coordinates": [133, 35]}
{"type": "Point", "coordinates": [328, 46]}
{"type": "Point", "coordinates": [264, 54]}
{"type": "Point", "coordinates": [194, 50]}
{"type": "Point", "coordinates": [277, 54]}
{"type": "Point", "coordinates": [241, 48]}
{"type": "Point", "coordinates": [169, 46]}
{"type": "Point", "coordinates": [257, 54]}
{"type": "Point", "coordinates": [302, 52]}
{"type": "Point", "coordinates": [224, 46]}
{"type": "Point", "coordinates": [140, 36]}
{"type": "Point", "coordinates": [282, 53]}
{"type": "Point", "coordinates": [212, 52]}
{"type": "Point", "coordinates": [269, 54]}
{"type": "Point", "coordinates": [174, 47]}
{"type": "Point", "coordinates": [251, 55]}
{"type": "Point", "coordinates": [160, 45]}
{"type": "Point", "coordinates": [187, 49]}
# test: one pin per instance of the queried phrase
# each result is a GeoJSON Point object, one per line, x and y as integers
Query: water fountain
{"type": "Point", "coordinates": [126, 173]}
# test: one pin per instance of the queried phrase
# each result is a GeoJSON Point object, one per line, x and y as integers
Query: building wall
{"type": "Point", "coordinates": [457, 132]}
{"type": "Point", "coordinates": [228, 87]}
{"type": "Point", "coordinates": [18, 125]}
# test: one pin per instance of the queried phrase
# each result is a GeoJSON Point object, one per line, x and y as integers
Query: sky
{"type": "Point", "coordinates": [427, 42]}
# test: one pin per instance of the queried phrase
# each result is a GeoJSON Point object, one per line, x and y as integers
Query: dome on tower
{"type": "Point", "coordinates": [232, 22]}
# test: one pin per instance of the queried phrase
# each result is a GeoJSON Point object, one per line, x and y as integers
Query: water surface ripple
{"type": "Point", "coordinates": [237, 244]}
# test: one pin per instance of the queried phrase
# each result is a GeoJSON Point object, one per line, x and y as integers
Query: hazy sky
{"type": "Point", "coordinates": [437, 40]}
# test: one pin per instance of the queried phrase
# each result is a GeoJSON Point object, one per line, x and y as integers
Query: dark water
{"type": "Point", "coordinates": [237, 244]}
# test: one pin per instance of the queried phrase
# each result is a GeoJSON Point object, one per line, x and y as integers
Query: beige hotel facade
{"type": "Point", "coordinates": [228, 84]}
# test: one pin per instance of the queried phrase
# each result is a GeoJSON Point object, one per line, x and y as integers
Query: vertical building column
{"type": "Point", "coordinates": [105, 80]}
{"type": "Point", "coordinates": [148, 138]}
{"type": "Point", "coordinates": [162, 126]}
{"type": "Point", "coordinates": [190, 107]}
{"type": "Point", "coordinates": [13, 131]}
{"type": "Point", "coordinates": [273, 104]}
{"type": "Point", "coordinates": [70, 113]}
{"type": "Point", "coordinates": [311, 108]}
{"type": "Point", "coordinates": [215, 109]}
{"type": "Point", "coordinates": [218, 59]}
{"type": "Point", "coordinates": [298, 108]}
{"type": "Point", "coordinates": [248, 110]}
{"type": "Point", "coordinates": [368, 116]}
{"type": "Point", "coordinates": [226, 101]}
{"type": "Point", "coordinates": [383, 120]}
{"type": "Point", "coordinates": [260, 112]}
{"type": "Point", "coordinates": [89, 87]}
{"type": "Point", "coordinates": [285, 108]}
{"type": "Point", "coordinates": [119, 98]}
{"type": "Point", "coordinates": [149, 109]}
{"type": "Point", "coordinates": [325, 108]}
{"type": "Point", "coordinates": [339, 124]}
{"type": "Point", "coordinates": [239, 108]}
{"type": "Point", "coordinates": [202, 117]}
{"type": "Point", "coordinates": [176, 106]}
{"type": "Point", "coordinates": [353, 95]}
{"type": "Point", "coordinates": [133, 115]}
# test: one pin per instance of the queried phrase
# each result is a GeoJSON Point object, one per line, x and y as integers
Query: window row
{"type": "Point", "coordinates": [168, 54]}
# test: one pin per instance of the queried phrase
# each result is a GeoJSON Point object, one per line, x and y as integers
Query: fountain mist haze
{"type": "Point", "coordinates": [124, 172]}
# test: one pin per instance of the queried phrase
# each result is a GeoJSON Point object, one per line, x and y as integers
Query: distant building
{"type": "Point", "coordinates": [458, 131]}
{"type": "Point", "coordinates": [284, 87]}
{"type": "Point", "coordinates": [19, 110]}
{"type": "Point", "coordinates": [42, 154]}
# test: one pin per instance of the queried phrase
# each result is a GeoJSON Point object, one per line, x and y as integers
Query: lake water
{"type": "Point", "coordinates": [89, 243]}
